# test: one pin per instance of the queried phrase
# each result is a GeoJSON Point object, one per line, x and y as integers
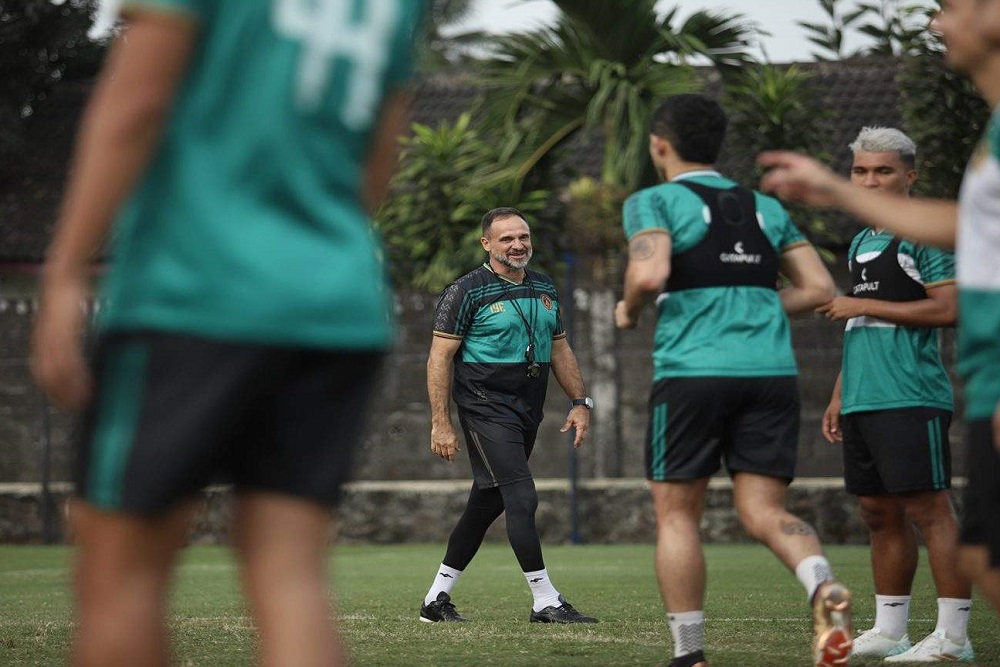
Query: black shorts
{"type": "Point", "coordinates": [896, 451]}
{"type": "Point", "coordinates": [750, 423]}
{"type": "Point", "coordinates": [981, 504]}
{"type": "Point", "coordinates": [172, 413]}
{"type": "Point", "coordinates": [499, 452]}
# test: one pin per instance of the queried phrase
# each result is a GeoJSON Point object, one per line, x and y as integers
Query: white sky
{"type": "Point", "coordinates": [787, 42]}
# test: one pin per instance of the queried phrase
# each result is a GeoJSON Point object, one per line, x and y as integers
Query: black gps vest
{"type": "Point", "coordinates": [883, 278]}
{"type": "Point", "coordinates": [734, 253]}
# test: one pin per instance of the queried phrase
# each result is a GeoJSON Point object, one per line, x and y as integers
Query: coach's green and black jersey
{"type": "Point", "coordinates": [978, 260]}
{"type": "Point", "coordinates": [714, 331]}
{"type": "Point", "coordinates": [488, 314]}
{"type": "Point", "coordinates": [888, 366]}
{"type": "Point", "coordinates": [248, 224]}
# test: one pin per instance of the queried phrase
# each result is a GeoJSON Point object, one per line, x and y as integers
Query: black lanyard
{"type": "Point", "coordinates": [534, 369]}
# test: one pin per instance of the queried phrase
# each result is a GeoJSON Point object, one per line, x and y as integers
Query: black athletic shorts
{"type": "Point", "coordinates": [499, 452]}
{"type": "Point", "coordinates": [981, 504]}
{"type": "Point", "coordinates": [896, 451]}
{"type": "Point", "coordinates": [172, 413]}
{"type": "Point", "coordinates": [750, 423]}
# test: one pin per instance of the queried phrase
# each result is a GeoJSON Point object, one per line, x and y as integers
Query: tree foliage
{"type": "Point", "coordinates": [944, 115]}
{"type": "Point", "coordinates": [431, 221]}
{"type": "Point", "coordinates": [438, 49]}
{"type": "Point", "coordinates": [777, 107]}
{"type": "Point", "coordinates": [894, 26]}
{"type": "Point", "coordinates": [41, 43]}
{"type": "Point", "coordinates": [601, 67]}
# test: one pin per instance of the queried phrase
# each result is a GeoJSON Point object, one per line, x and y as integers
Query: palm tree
{"type": "Point", "coordinates": [602, 66]}
{"type": "Point", "coordinates": [830, 37]}
{"type": "Point", "coordinates": [440, 51]}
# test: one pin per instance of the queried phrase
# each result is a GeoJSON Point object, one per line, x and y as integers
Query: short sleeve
{"type": "Point", "coordinates": [404, 57]}
{"type": "Point", "coordinates": [791, 236]}
{"type": "Point", "coordinates": [560, 329]}
{"type": "Point", "coordinates": [453, 316]}
{"type": "Point", "coordinates": [645, 210]}
{"type": "Point", "coordinates": [935, 265]}
{"type": "Point", "coordinates": [193, 8]}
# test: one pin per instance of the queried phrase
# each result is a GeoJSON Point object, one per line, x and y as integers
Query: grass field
{"type": "Point", "coordinates": [756, 610]}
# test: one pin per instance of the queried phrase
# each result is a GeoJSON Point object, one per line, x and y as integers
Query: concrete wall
{"type": "Point", "coordinates": [608, 511]}
{"type": "Point", "coordinates": [615, 365]}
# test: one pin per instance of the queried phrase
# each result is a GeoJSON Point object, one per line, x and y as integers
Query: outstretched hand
{"type": "Point", "coordinates": [799, 178]}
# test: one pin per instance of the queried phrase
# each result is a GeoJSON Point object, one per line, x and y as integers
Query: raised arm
{"type": "Point", "coordinates": [800, 178]}
{"type": "Point", "coordinates": [811, 284]}
{"type": "Point", "coordinates": [444, 439]}
{"type": "Point", "coordinates": [567, 373]}
{"type": "Point", "coordinates": [645, 276]}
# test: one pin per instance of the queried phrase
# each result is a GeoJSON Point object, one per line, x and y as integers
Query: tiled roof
{"type": "Point", "coordinates": [857, 93]}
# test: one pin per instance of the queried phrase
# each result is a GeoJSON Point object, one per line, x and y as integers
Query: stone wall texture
{"type": "Point", "coordinates": [615, 365]}
{"type": "Point", "coordinates": [607, 511]}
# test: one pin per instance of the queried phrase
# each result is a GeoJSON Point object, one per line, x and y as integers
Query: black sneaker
{"type": "Point", "coordinates": [689, 660]}
{"type": "Point", "coordinates": [564, 613]}
{"type": "Point", "coordinates": [441, 609]}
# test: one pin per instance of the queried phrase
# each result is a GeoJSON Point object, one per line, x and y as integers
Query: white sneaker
{"type": "Point", "coordinates": [936, 647]}
{"type": "Point", "coordinates": [873, 644]}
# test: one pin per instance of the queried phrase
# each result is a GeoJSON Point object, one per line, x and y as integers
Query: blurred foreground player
{"type": "Point", "coordinates": [236, 146]}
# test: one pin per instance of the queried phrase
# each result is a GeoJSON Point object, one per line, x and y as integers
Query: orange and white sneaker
{"type": "Point", "coordinates": [832, 631]}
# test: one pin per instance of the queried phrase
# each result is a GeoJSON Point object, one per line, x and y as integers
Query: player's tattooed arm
{"type": "Point", "coordinates": [641, 248]}
{"type": "Point", "coordinates": [796, 528]}
{"type": "Point", "coordinates": [646, 274]}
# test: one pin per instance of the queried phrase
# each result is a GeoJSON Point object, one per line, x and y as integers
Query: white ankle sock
{"type": "Point", "coordinates": [892, 614]}
{"type": "Point", "coordinates": [813, 571]}
{"type": "Point", "coordinates": [542, 590]}
{"type": "Point", "coordinates": [444, 581]}
{"type": "Point", "coordinates": [688, 630]}
{"type": "Point", "coordinates": [953, 618]}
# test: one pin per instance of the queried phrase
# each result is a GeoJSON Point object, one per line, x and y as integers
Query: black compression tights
{"type": "Point", "coordinates": [519, 500]}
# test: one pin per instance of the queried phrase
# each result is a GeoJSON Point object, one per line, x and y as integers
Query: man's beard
{"type": "Point", "coordinates": [517, 265]}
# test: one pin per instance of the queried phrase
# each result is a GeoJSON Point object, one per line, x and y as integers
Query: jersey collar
{"type": "Point", "coordinates": [696, 174]}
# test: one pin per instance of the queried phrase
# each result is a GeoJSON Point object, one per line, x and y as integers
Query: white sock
{"type": "Point", "coordinates": [892, 613]}
{"type": "Point", "coordinates": [953, 618]}
{"type": "Point", "coordinates": [688, 630]}
{"type": "Point", "coordinates": [444, 581]}
{"type": "Point", "coordinates": [542, 590]}
{"type": "Point", "coordinates": [813, 571]}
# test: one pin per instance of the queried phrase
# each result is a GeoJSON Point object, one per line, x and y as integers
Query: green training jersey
{"type": "Point", "coordinates": [714, 331]}
{"type": "Point", "coordinates": [888, 366]}
{"type": "Point", "coordinates": [979, 277]}
{"type": "Point", "coordinates": [248, 224]}
{"type": "Point", "coordinates": [497, 320]}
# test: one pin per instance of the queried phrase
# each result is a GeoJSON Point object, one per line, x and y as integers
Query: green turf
{"type": "Point", "coordinates": [756, 610]}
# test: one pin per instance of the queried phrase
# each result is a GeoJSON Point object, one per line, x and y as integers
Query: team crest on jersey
{"type": "Point", "coordinates": [546, 301]}
{"type": "Point", "coordinates": [497, 307]}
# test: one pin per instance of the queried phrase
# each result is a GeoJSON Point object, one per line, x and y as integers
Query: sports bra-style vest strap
{"type": "Point", "coordinates": [735, 251]}
{"type": "Point", "coordinates": [883, 278]}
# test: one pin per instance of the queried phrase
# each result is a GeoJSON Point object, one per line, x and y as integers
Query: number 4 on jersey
{"type": "Point", "coordinates": [327, 29]}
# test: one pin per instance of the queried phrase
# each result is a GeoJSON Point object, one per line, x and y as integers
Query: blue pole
{"type": "Point", "coordinates": [574, 524]}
